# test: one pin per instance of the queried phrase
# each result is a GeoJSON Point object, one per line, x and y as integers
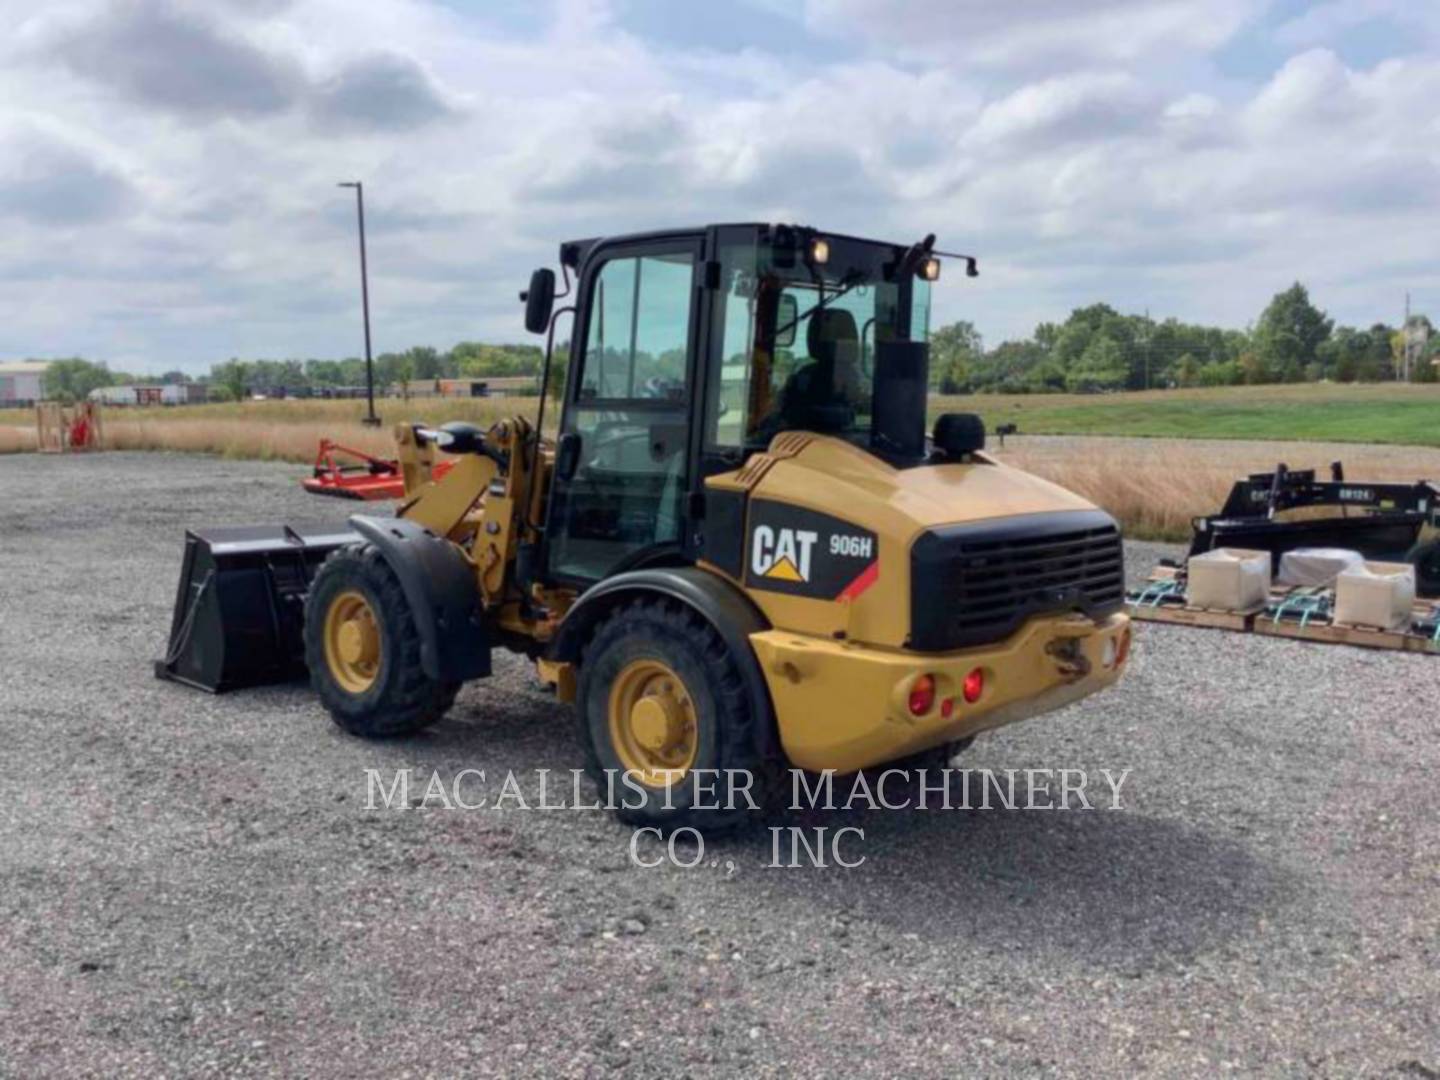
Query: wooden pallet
{"type": "Point", "coordinates": [1367, 637]}
{"type": "Point", "coordinates": [1184, 615]}
{"type": "Point", "coordinates": [1320, 628]}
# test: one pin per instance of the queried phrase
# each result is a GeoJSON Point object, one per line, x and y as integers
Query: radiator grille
{"type": "Point", "coordinates": [978, 583]}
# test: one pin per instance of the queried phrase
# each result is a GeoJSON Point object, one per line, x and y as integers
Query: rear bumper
{"type": "Point", "coordinates": [845, 706]}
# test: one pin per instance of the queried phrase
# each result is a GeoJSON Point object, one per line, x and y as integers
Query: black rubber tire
{"type": "Point", "coordinates": [1426, 558]}
{"type": "Point", "coordinates": [402, 698]}
{"type": "Point", "coordinates": [689, 645]}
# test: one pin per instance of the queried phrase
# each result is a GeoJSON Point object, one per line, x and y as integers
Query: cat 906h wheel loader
{"type": "Point", "coordinates": [741, 550]}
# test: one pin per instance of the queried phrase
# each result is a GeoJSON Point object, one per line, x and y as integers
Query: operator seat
{"type": "Point", "coordinates": [824, 394]}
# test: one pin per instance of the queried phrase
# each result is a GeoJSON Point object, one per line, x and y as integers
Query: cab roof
{"type": "Point", "coordinates": [573, 252]}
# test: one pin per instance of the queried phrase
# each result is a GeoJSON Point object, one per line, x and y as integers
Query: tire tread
{"type": "Point", "coordinates": [409, 700]}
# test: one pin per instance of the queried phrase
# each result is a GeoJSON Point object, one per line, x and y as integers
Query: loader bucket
{"type": "Point", "coordinates": [240, 608]}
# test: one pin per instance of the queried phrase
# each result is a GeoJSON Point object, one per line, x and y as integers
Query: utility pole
{"type": "Point", "coordinates": [370, 419]}
{"type": "Point", "coordinates": [1148, 329]}
{"type": "Point", "coordinates": [1405, 338]}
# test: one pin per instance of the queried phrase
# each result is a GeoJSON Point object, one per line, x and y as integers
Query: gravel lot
{"type": "Point", "coordinates": [192, 884]}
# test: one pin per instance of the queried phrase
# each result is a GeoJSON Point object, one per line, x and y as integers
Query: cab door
{"type": "Point", "coordinates": [622, 466]}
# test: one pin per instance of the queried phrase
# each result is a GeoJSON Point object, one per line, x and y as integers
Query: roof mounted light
{"type": "Point", "coordinates": [819, 251]}
{"type": "Point", "coordinates": [930, 269]}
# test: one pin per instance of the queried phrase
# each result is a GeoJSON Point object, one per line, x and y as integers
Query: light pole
{"type": "Point", "coordinates": [370, 418]}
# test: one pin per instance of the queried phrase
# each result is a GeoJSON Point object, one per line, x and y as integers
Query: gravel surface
{"type": "Point", "coordinates": [193, 884]}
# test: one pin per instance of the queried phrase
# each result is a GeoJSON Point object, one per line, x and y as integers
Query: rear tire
{"type": "Point", "coordinates": [363, 650]}
{"type": "Point", "coordinates": [699, 716]}
{"type": "Point", "coordinates": [1426, 558]}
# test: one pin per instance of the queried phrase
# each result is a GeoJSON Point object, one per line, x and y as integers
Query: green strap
{"type": "Point", "coordinates": [1282, 607]}
{"type": "Point", "coordinates": [1154, 592]}
{"type": "Point", "coordinates": [1304, 604]}
{"type": "Point", "coordinates": [1164, 589]}
{"type": "Point", "coordinates": [1317, 608]}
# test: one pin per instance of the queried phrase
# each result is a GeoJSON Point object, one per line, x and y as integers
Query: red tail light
{"type": "Point", "coordinates": [922, 695]}
{"type": "Point", "coordinates": [974, 685]}
{"type": "Point", "coordinates": [1124, 649]}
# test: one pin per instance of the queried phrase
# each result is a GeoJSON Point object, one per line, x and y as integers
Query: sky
{"type": "Point", "coordinates": [168, 168]}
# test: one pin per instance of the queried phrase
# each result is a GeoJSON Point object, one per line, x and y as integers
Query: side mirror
{"type": "Point", "coordinates": [539, 300]}
{"type": "Point", "coordinates": [787, 314]}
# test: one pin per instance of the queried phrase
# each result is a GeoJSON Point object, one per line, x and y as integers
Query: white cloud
{"type": "Point", "coordinates": [1192, 107]}
{"type": "Point", "coordinates": [1055, 111]}
{"type": "Point", "coordinates": [383, 92]}
{"type": "Point", "coordinates": [1038, 32]}
{"type": "Point", "coordinates": [47, 180]}
{"type": "Point", "coordinates": [173, 57]}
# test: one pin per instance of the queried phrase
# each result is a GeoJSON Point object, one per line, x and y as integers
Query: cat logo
{"type": "Point", "coordinates": [782, 554]}
{"type": "Point", "coordinates": [801, 552]}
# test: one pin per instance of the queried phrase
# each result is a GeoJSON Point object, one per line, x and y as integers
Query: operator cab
{"type": "Point", "coordinates": [817, 333]}
{"type": "Point", "coordinates": [691, 350]}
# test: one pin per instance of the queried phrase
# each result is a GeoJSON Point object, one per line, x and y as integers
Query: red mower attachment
{"type": "Point", "coordinates": [348, 473]}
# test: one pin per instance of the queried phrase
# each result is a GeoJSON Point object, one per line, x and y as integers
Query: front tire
{"type": "Point", "coordinates": [665, 721]}
{"type": "Point", "coordinates": [363, 650]}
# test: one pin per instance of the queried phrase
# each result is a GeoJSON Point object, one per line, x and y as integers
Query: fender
{"type": "Point", "coordinates": [440, 586]}
{"type": "Point", "coordinates": [715, 600]}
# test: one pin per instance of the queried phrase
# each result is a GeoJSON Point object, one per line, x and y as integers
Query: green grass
{"type": "Point", "coordinates": [1403, 415]}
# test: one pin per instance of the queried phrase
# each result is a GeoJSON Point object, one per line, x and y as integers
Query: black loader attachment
{"type": "Point", "coordinates": [240, 609]}
{"type": "Point", "coordinates": [1383, 522]}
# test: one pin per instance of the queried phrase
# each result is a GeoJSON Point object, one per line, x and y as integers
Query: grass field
{"type": "Point", "coordinates": [1153, 487]}
{"type": "Point", "coordinates": [1406, 415]}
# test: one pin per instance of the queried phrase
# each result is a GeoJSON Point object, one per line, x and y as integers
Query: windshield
{"type": "Point", "coordinates": [809, 345]}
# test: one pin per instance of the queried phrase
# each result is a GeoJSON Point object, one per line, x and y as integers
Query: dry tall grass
{"type": "Point", "coordinates": [1154, 487]}
{"type": "Point", "coordinates": [267, 441]}
{"type": "Point", "coordinates": [291, 430]}
{"type": "Point", "coordinates": [15, 440]}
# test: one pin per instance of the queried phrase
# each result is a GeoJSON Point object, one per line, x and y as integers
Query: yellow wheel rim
{"type": "Point", "coordinates": [653, 725]}
{"type": "Point", "coordinates": [352, 642]}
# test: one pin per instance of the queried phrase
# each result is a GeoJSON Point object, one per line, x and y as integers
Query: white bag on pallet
{"type": "Point", "coordinates": [1376, 594]}
{"type": "Point", "coordinates": [1230, 579]}
{"type": "Point", "coordinates": [1316, 566]}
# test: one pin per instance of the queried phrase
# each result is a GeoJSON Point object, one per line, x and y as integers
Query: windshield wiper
{"type": "Point", "coordinates": [854, 279]}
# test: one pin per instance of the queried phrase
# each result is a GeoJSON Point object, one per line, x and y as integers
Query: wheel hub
{"type": "Point", "coordinates": [657, 721]}
{"type": "Point", "coordinates": [352, 642]}
{"type": "Point", "coordinates": [358, 641]}
{"type": "Point", "coordinates": [652, 722]}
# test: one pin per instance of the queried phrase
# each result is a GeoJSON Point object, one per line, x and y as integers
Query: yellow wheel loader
{"type": "Point", "coordinates": [741, 550]}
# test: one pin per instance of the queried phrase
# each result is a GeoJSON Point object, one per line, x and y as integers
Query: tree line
{"type": "Point", "coordinates": [1095, 350]}
{"type": "Point", "coordinates": [236, 379]}
{"type": "Point", "coordinates": [1099, 350]}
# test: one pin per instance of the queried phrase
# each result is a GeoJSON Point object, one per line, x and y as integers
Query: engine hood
{"type": "Point", "coordinates": [835, 477]}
